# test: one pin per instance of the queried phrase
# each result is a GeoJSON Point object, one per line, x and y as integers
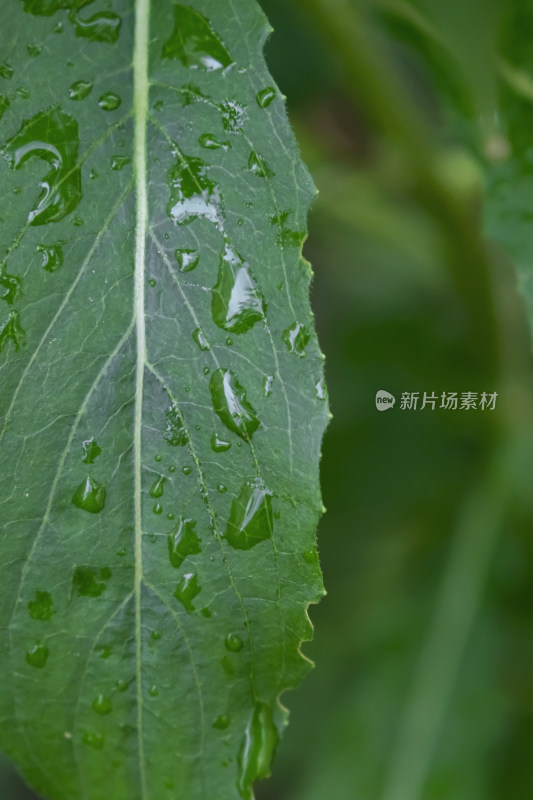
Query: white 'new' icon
{"type": "Point", "coordinates": [384, 400]}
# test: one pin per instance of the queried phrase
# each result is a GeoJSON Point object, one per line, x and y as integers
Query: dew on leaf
{"type": "Point", "coordinates": [176, 433]}
{"type": "Point", "coordinates": [152, 283]}
{"type": "Point", "coordinates": [227, 666]}
{"type": "Point", "coordinates": [268, 380]}
{"type": "Point", "coordinates": [101, 27]}
{"type": "Point", "coordinates": [153, 691]}
{"type": "Point", "coordinates": [319, 390]}
{"type": "Point", "coordinates": [52, 255]}
{"type": "Point", "coordinates": [265, 96]}
{"type": "Point", "coordinates": [109, 101]}
{"type": "Point", "coordinates": [33, 50]}
{"type": "Point", "coordinates": [4, 104]}
{"type": "Point", "coordinates": [296, 338]}
{"type": "Point", "coordinates": [171, 516]}
{"type": "Point", "coordinates": [219, 445]}
{"type": "Point", "coordinates": [186, 259]}
{"type": "Point", "coordinates": [233, 115]}
{"type": "Point", "coordinates": [158, 487]}
{"type": "Point", "coordinates": [90, 496]}
{"type": "Point", "coordinates": [194, 42]}
{"type": "Point", "coordinates": [37, 656]}
{"type": "Point", "coordinates": [210, 142]}
{"type": "Point", "coordinates": [192, 193]}
{"type": "Point", "coordinates": [42, 607]}
{"type": "Point", "coordinates": [22, 92]}
{"type": "Point", "coordinates": [186, 470]}
{"type": "Point", "coordinates": [91, 450]}
{"type": "Point", "coordinates": [222, 722]}
{"type": "Point", "coordinates": [158, 509]}
{"type": "Point", "coordinates": [258, 165]}
{"type": "Point", "coordinates": [93, 739]}
{"type": "Point", "coordinates": [10, 288]}
{"type": "Point", "coordinates": [236, 304]}
{"type": "Point", "coordinates": [6, 71]}
{"type": "Point", "coordinates": [158, 458]}
{"type": "Point", "coordinates": [78, 222]}
{"type": "Point", "coordinates": [89, 581]}
{"type": "Point", "coordinates": [231, 405]}
{"type": "Point", "coordinates": [250, 520]}
{"type": "Point", "coordinates": [257, 749]}
{"type": "Point", "coordinates": [183, 541]}
{"type": "Point", "coordinates": [199, 337]}
{"type": "Point", "coordinates": [233, 642]}
{"type": "Point", "coordinates": [80, 90]}
{"type": "Point", "coordinates": [102, 705]}
{"type": "Point", "coordinates": [12, 331]}
{"type": "Point", "coordinates": [222, 488]}
{"type": "Point", "coordinates": [172, 468]}
{"type": "Point", "coordinates": [206, 612]}
{"type": "Point", "coordinates": [186, 590]}
{"type": "Point", "coordinates": [119, 162]}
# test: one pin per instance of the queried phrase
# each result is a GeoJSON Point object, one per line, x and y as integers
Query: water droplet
{"type": "Point", "coordinates": [89, 581]}
{"type": "Point", "coordinates": [265, 96]}
{"type": "Point", "coordinates": [257, 749]}
{"type": "Point", "coordinates": [172, 468]}
{"type": "Point", "coordinates": [237, 304]}
{"type": "Point", "coordinates": [233, 642]}
{"type": "Point", "coordinates": [176, 433]}
{"type": "Point", "coordinates": [121, 552]}
{"type": "Point", "coordinates": [268, 380]}
{"type": "Point", "coordinates": [152, 283]}
{"type": "Point", "coordinates": [206, 612]}
{"type": "Point", "coordinates": [78, 222]}
{"type": "Point", "coordinates": [52, 255]}
{"type": "Point", "coordinates": [222, 488]}
{"type": "Point", "coordinates": [250, 520]}
{"type": "Point", "coordinates": [192, 193]}
{"type": "Point", "coordinates": [320, 390]}
{"type": "Point", "coordinates": [187, 259]}
{"type": "Point", "coordinates": [4, 104]}
{"type": "Point", "coordinates": [37, 656]}
{"type": "Point", "coordinates": [80, 90]}
{"type": "Point", "coordinates": [194, 42]}
{"type": "Point", "coordinates": [122, 685]}
{"type": "Point", "coordinates": [101, 27]}
{"type": "Point", "coordinates": [102, 705]}
{"type": "Point", "coordinates": [105, 651]}
{"type": "Point", "coordinates": [42, 607]}
{"type": "Point", "coordinates": [153, 691]}
{"type": "Point", "coordinates": [219, 445]}
{"type": "Point", "coordinates": [296, 338]}
{"type": "Point", "coordinates": [158, 509]}
{"type": "Point", "coordinates": [93, 174]}
{"type": "Point", "coordinates": [22, 92]}
{"type": "Point", "coordinates": [229, 341]}
{"type": "Point", "coordinates": [259, 166]}
{"type": "Point", "coordinates": [186, 470]}
{"type": "Point", "coordinates": [118, 162]}
{"type": "Point", "coordinates": [222, 722]}
{"type": "Point", "coordinates": [109, 101]}
{"type": "Point", "coordinates": [199, 338]}
{"type": "Point", "coordinates": [183, 541]}
{"type": "Point", "coordinates": [233, 116]}
{"type": "Point", "coordinates": [91, 450]}
{"type": "Point", "coordinates": [51, 136]}
{"type": "Point", "coordinates": [231, 405]}
{"type": "Point", "coordinates": [311, 557]}
{"type": "Point", "coordinates": [33, 50]}
{"type": "Point", "coordinates": [210, 142]}
{"type": "Point", "coordinates": [158, 458]}
{"type": "Point", "coordinates": [186, 590]}
{"type": "Point", "coordinates": [227, 666]}
{"type": "Point", "coordinates": [6, 71]}
{"type": "Point", "coordinates": [158, 105]}
{"type": "Point", "coordinates": [94, 740]}
{"type": "Point", "coordinates": [90, 496]}
{"type": "Point", "coordinates": [10, 288]}
{"type": "Point", "coordinates": [158, 487]}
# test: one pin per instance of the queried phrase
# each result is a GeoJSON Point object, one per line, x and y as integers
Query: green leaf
{"type": "Point", "coordinates": [162, 403]}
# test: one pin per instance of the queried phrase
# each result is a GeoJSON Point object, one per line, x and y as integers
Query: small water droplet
{"type": "Point", "coordinates": [186, 259]}
{"type": "Point", "coordinates": [121, 552]}
{"type": "Point", "coordinates": [90, 496]}
{"type": "Point", "coordinates": [319, 389]}
{"type": "Point", "coordinates": [176, 433]}
{"type": "Point", "coordinates": [183, 541]}
{"type": "Point", "coordinates": [206, 370]}
{"type": "Point", "coordinates": [268, 380]}
{"type": "Point", "coordinates": [42, 608]}
{"type": "Point", "coordinates": [6, 71]}
{"type": "Point", "coordinates": [171, 516]}
{"type": "Point", "coordinates": [118, 162]}
{"type": "Point", "coordinates": [158, 487]}
{"type": "Point", "coordinates": [158, 458]}
{"type": "Point", "coordinates": [233, 642]}
{"type": "Point", "coordinates": [153, 691]}
{"type": "Point", "coordinates": [91, 450]}
{"type": "Point", "coordinates": [229, 341]}
{"type": "Point", "coordinates": [227, 666]}
{"type": "Point", "coordinates": [237, 304]}
{"type": "Point", "coordinates": [194, 42]}
{"type": "Point", "coordinates": [172, 468]}
{"type": "Point", "coordinates": [259, 166]}
{"type": "Point", "coordinates": [222, 488]}
{"type": "Point", "coordinates": [10, 288]}
{"type": "Point", "coordinates": [231, 405]}
{"type": "Point", "coordinates": [33, 50]}
{"type": "Point", "coordinates": [109, 101]}
{"type": "Point", "coordinates": [251, 520]}
{"type": "Point", "coordinates": [158, 509]}
{"type": "Point", "coordinates": [94, 740]}
{"type": "Point", "coordinates": [37, 656]}
{"type": "Point", "coordinates": [102, 705]}
{"type": "Point", "coordinates": [206, 612]}
{"type": "Point", "coordinates": [219, 445]}
{"type": "Point", "coordinates": [4, 104]}
{"type": "Point", "coordinates": [210, 142]}
{"type": "Point", "coordinates": [152, 282]}
{"type": "Point", "coordinates": [296, 338]}
{"type": "Point", "coordinates": [52, 255]}
{"type": "Point", "coordinates": [265, 96]}
{"type": "Point", "coordinates": [199, 338]}
{"type": "Point", "coordinates": [22, 92]}
{"type": "Point", "coordinates": [89, 581]}
{"type": "Point", "coordinates": [122, 685]}
{"type": "Point", "coordinates": [257, 749]}
{"type": "Point", "coordinates": [222, 722]}
{"type": "Point", "coordinates": [80, 90]}
{"type": "Point", "coordinates": [186, 470]}
{"type": "Point", "coordinates": [186, 590]}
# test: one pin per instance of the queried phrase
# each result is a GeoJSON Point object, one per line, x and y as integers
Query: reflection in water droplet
{"type": "Point", "coordinates": [158, 487]}
{"type": "Point", "coordinates": [80, 90]}
{"type": "Point", "coordinates": [187, 259]}
{"type": "Point", "coordinates": [250, 520]}
{"type": "Point", "coordinates": [233, 115]}
{"type": "Point", "coordinates": [222, 722]}
{"type": "Point", "coordinates": [94, 740]}
{"type": "Point", "coordinates": [109, 101]}
{"type": "Point", "coordinates": [237, 304]}
{"type": "Point", "coordinates": [210, 142]}
{"type": "Point", "coordinates": [268, 380]}
{"type": "Point", "coordinates": [52, 255]}
{"type": "Point", "coordinates": [219, 445]}
{"type": "Point", "coordinates": [10, 288]}
{"type": "Point", "coordinates": [101, 27]}
{"type": "Point", "coordinates": [257, 749]}
{"type": "Point", "coordinates": [102, 705]}
{"type": "Point", "coordinates": [42, 607]}
{"type": "Point", "coordinates": [186, 590]}
{"type": "Point", "coordinates": [319, 389]}
{"type": "Point", "coordinates": [90, 496]}
{"type": "Point", "coordinates": [194, 42]}
{"type": "Point", "coordinates": [222, 488]}
{"type": "Point", "coordinates": [53, 137]}
{"type": "Point", "coordinates": [199, 338]}
{"type": "Point", "coordinates": [192, 193]}
{"type": "Point", "coordinates": [231, 405]}
{"type": "Point", "coordinates": [89, 581]}
{"type": "Point", "coordinates": [6, 71]}
{"type": "Point", "coordinates": [91, 450]}
{"type": "Point", "coordinates": [186, 470]}
{"type": "Point", "coordinates": [265, 96]}
{"type": "Point", "coordinates": [259, 166]}
{"type": "Point", "coordinates": [37, 656]}
{"type": "Point", "coordinates": [175, 434]}
{"type": "Point", "coordinates": [296, 338]}
{"type": "Point", "coordinates": [183, 541]}
{"type": "Point", "coordinates": [118, 162]}
{"type": "Point", "coordinates": [233, 642]}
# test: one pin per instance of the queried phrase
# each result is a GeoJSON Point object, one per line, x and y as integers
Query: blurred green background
{"type": "Point", "coordinates": [414, 119]}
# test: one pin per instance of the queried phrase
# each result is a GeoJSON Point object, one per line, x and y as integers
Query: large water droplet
{"type": "Point", "coordinates": [258, 165]}
{"type": "Point", "coordinates": [158, 487]}
{"type": "Point", "coordinates": [187, 259]}
{"type": "Point", "coordinates": [37, 656]}
{"type": "Point", "coordinates": [91, 450]}
{"type": "Point", "coordinates": [183, 541]}
{"type": "Point", "coordinates": [219, 445]}
{"type": "Point", "coordinates": [194, 42]}
{"type": "Point", "coordinates": [237, 304]}
{"type": "Point", "coordinates": [186, 590]}
{"type": "Point", "coordinates": [52, 255]}
{"type": "Point", "coordinates": [90, 496]}
{"type": "Point", "coordinates": [257, 750]}
{"type": "Point", "coordinates": [89, 581]}
{"type": "Point", "coordinates": [42, 608]}
{"type": "Point", "coordinates": [265, 96]}
{"type": "Point", "coordinates": [109, 101]}
{"type": "Point", "coordinates": [10, 288]}
{"type": "Point", "coordinates": [176, 433]}
{"type": "Point", "coordinates": [250, 520]}
{"type": "Point", "coordinates": [119, 162]}
{"type": "Point", "coordinates": [102, 705]}
{"type": "Point", "coordinates": [80, 90]}
{"type": "Point", "coordinates": [231, 405]}
{"type": "Point", "coordinates": [12, 331]}
{"type": "Point", "coordinates": [101, 27]}
{"type": "Point", "coordinates": [296, 338]}
{"type": "Point", "coordinates": [53, 137]}
{"type": "Point", "coordinates": [192, 193]}
{"type": "Point", "coordinates": [233, 642]}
